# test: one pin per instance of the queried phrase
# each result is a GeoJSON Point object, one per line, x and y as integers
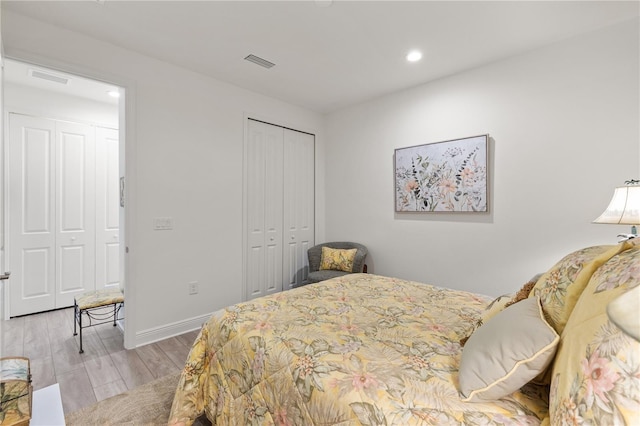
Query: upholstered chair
{"type": "Point", "coordinates": [315, 256]}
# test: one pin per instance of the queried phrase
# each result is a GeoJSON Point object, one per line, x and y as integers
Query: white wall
{"type": "Point", "coordinates": [564, 123]}
{"type": "Point", "coordinates": [184, 160]}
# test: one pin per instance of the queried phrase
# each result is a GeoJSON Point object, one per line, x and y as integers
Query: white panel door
{"type": "Point", "coordinates": [32, 229]}
{"type": "Point", "coordinates": [75, 211]}
{"type": "Point", "coordinates": [280, 207]}
{"type": "Point", "coordinates": [264, 176]}
{"type": "Point", "coordinates": [107, 209]}
{"type": "Point", "coordinates": [299, 204]}
{"type": "Point", "coordinates": [51, 212]}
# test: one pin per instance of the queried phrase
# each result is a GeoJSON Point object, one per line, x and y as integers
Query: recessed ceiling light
{"type": "Point", "coordinates": [414, 56]}
{"type": "Point", "coordinates": [113, 93]}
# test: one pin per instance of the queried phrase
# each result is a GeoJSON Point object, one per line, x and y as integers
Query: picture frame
{"type": "Point", "coordinates": [449, 176]}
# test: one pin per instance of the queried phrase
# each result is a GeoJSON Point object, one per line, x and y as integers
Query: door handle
{"type": "Point", "coordinates": [5, 276]}
{"type": "Point", "coordinates": [122, 191]}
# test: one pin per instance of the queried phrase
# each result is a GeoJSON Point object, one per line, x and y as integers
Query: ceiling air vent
{"type": "Point", "coordinates": [47, 76]}
{"type": "Point", "coordinates": [257, 60]}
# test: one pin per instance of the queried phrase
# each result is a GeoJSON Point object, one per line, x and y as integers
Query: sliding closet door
{"type": "Point", "coordinates": [279, 212]}
{"type": "Point", "coordinates": [299, 199]}
{"type": "Point", "coordinates": [264, 209]}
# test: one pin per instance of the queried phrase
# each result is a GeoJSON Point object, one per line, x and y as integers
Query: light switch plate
{"type": "Point", "coordinates": [162, 223]}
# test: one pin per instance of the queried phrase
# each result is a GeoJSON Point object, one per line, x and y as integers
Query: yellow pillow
{"type": "Point", "coordinates": [561, 286]}
{"type": "Point", "coordinates": [337, 259]}
{"type": "Point", "coordinates": [594, 376]}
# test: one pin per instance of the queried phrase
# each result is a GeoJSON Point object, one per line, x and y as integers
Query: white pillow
{"type": "Point", "coordinates": [506, 352]}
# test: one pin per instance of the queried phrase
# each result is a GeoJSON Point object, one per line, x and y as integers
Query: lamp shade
{"type": "Point", "coordinates": [624, 207]}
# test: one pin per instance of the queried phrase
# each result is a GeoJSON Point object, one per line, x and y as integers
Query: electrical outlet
{"type": "Point", "coordinates": [162, 223]}
{"type": "Point", "coordinates": [193, 287]}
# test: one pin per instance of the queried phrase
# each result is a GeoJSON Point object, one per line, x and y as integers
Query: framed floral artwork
{"type": "Point", "coordinates": [449, 176]}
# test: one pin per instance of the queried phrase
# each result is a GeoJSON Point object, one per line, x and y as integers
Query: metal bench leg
{"type": "Point", "coordinates": [77, 321]}
{"type": "Point", "coordinates": [115, 313]}
{"type": "Point", "coordinates": [80, 321]}
{"type": "Point", "coordinates": [75, 318]}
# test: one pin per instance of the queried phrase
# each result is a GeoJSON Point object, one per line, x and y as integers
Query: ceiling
{"type": "Point", "coordinates": [328, 54]}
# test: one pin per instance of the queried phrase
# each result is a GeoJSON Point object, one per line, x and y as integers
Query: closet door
{"type": "Point", "coordinates": [107, 209]}
{"type": "Point", "coordinates": [279, 207]}
{"type": "Point", "coordinates": [51, 213]}
{"type": "Point", "coordinates": [264, 176]}
{"type": "Point", "coordinates": [75, 211]}
{"type": "Point", "coordinates": [32, 224]}
{"type": "Point", "coordinates": [299, 205]}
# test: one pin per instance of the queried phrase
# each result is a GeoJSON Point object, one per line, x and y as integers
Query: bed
{"type": "Point", "coordinates": [359, 349]}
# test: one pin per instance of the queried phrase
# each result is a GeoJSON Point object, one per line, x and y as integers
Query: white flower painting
{"type": "Point", "coordinates": [443, 177]}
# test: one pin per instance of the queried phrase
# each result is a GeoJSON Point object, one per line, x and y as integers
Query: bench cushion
{"type": "Point", "coordinates": [93, 299]}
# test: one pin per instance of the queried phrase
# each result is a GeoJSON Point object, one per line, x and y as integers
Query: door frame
{"type": "Point", "coordinates": [126, 132]}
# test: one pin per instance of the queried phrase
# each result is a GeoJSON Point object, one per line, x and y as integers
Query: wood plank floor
{"type": "Point", "coordinates": [105, 368]}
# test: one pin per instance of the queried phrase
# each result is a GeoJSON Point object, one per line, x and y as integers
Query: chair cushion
{"type": "Point", "coordinates": [93, 299]}
{"type": "Point", "coordinates": [337, 259]}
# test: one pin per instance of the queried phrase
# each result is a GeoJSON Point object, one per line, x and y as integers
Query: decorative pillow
{"type": "Point", "coordinates": [561, 286]}
{"type": "Point", "coordinates": [495, 307]}
{"type": "Point", "coordinates": [507, 352]}
{"type": "Point", "coordinates": [501, 302]}
{"type": "Point", "coordinates": [595, 376]}
{"type": "Point", "coordinates": [337, 259]}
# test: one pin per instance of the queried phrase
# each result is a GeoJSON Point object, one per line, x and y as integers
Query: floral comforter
{"type": "Point", "coordinates": [359, 349]}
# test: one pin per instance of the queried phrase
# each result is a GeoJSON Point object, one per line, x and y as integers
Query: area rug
{"type": "Point", "coordinates": [149, 404]}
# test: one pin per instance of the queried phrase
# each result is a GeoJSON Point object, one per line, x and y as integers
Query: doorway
{"type": "Point", "coordinates": [62, 202]}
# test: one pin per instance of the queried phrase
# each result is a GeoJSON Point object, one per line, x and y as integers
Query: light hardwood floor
{"type": "Point", "coordinates": [105, 368]}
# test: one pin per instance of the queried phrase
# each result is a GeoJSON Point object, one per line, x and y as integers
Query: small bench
{"type": "Point", "coordinates": [96, 306]}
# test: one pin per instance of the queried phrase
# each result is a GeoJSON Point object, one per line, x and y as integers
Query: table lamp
{"type": "Point", "coordinates": [624, 208]}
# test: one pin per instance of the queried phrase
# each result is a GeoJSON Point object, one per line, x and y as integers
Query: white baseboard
{"type": "Point", "coordinates": [162, 332]}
